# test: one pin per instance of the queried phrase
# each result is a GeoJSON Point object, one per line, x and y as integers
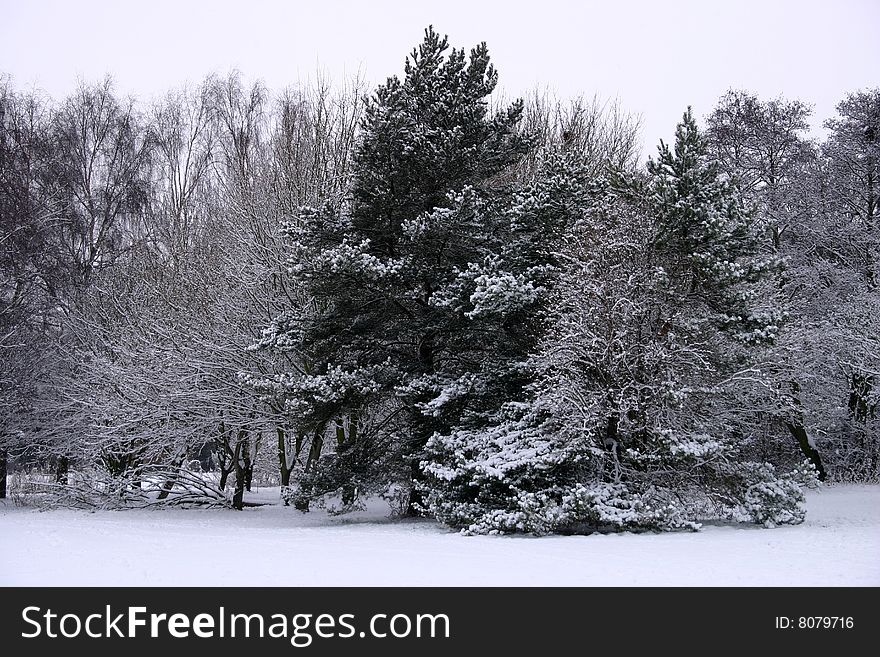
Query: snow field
{"type": "Point", "coordinates": [837, 545]}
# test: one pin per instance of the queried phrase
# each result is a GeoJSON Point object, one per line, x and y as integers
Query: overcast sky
{"type": "Point", "coordinates": [655, 57]}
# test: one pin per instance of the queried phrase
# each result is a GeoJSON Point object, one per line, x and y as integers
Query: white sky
{"type": "Point", "coordinates": [655, 57]}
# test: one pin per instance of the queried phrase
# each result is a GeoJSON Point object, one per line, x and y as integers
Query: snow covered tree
{"type": "Point", "coordinates": [385, 337]}
{"type": "Point", "coordinates": [600, 133]}
{"type": "Point", "coordinates": [853, 154]}
{"type": "Point", "coordinates": [848, 249]}
{"type": "Point", "coordinates": [708, 237]}
{"type": "Point", "coordinates": [815, 202]}
{"type": "Point", "coordinates": [74, 181]}
{"type": "Point", "coordinates": [636, 415]}
{"type": "Point", "coordinates": [103, 148]}
{"type": "Point", "coordinates": [28, 263]}
{"type": "Point", "coordinates": [762, 146]}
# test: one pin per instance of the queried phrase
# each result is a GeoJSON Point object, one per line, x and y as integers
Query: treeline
{"type": "Point", "coordinates": [492, 314]}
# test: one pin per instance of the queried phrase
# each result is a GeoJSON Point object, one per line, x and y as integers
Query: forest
{"type": "Point", "coordinates": [490, 313]}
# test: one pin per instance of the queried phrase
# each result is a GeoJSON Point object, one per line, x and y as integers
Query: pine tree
{"type": "Point", "coordinates": [388, 341]}
{"type": "Point", "coordinates": [707, 239]}
{"type": "Point", "coordinates": [636, 410]}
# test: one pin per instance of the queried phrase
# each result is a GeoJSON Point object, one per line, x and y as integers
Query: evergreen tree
{"type": "Point", "coordinates": [706, 239]}
{"type": "Point", "coordinates": [637, 409]}
{"type": "Point", "coordinates": [405, 274]}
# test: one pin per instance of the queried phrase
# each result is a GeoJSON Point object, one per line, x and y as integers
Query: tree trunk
{"type": "Point", "coordinates": [224, 454]}
{"type": "Point", "coordinates": [298, 445]}
{"type": "Point", "coordinates": [612, 464]}
{"type": "Point", "coordinates": [315, 450]}
{"type": "Point", "coordinates": [352, 442]}
{"type": "Point", "coordinates": [343, 442]}
{"type": "Point", "coordinates": [4, 460]}
{"type": "Point", "coordinates": [340, 433]}
{"type": "Point", "coordinates": [166, 489]}
{"type": "Point", "coordinates": [797, 429]}
{"type": "Point", "coordinates": [283, 467]}
{"type": "Point", "coordinates": [168, 486]}
{"type": "Point", "coordinates": [860, 393]}
{"type": "Point", "coordinates": [800, 435]}
{"type": "Point", "coordinates": [414, 505]}
{"type": "Point", "coordinates": [247, 463]}
{"type": "Point", "coordinates": [62, 470]}
{"type": "Point", "coordinates": [238, 494]}
{"type": "Point", "coordinates": [423, 429]}
{"type": "Point", "coordinates": [301, 503]}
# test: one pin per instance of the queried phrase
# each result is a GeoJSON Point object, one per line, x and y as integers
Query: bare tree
{"type": "Point", "coordinates": [602, 134]}
{"type": "Point", "coordinates": [102, 148]}
{"type": "Point", "coordinates": [28, 263]}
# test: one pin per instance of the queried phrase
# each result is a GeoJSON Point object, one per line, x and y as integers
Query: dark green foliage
{"type": "Point", "coordinates": [392, 271]}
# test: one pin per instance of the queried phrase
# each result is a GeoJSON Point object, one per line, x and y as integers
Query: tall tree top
{"type": "Point", "coordinates": [428, 135]}
{"type": "Point", "coordinates": [426, 65]}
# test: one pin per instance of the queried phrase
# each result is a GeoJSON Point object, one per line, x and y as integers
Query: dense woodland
{"type": "Point", "coordinates": [489, 313]}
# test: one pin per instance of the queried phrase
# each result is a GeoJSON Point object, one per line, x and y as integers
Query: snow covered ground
{"type": "Point", "coordinates": [839, 544]}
